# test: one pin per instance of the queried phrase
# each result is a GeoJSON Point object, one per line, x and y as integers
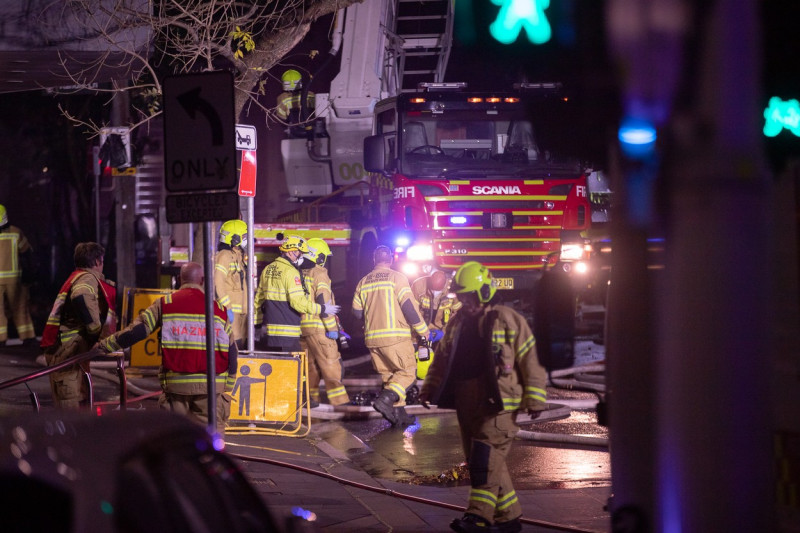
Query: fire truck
{"type": "Point", "coordinates": [441, 174]}
{"type": "Point", "coordinates": [395, 155]}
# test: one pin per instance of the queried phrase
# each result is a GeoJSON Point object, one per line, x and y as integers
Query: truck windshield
{"type": "Point", "coordinates": [473, 144]}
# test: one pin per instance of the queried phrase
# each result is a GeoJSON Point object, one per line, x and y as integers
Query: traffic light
{"type": "Point", "coordinates": [516, 15]}
{"type": "Point", "coordinates": [781, 81]}
{"type": "Point", "coordinates": [115, 149]}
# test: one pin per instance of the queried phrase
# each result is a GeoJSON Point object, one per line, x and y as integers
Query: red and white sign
{"type": "Point", "coordinates": [247, 175]}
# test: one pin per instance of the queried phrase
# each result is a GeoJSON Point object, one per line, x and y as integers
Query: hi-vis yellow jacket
{"type": "Point", "coordinates": [319, 290]}
{"type": "Point", "coordinates": [281, 299]}
{"type": "Point", "coordinates": [512, 370]}
{"type": "Point", "coordinates": [381, 295]}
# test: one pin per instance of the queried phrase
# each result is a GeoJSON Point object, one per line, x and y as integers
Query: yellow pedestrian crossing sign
{"type": "Point", "coordinates": [267, 389]}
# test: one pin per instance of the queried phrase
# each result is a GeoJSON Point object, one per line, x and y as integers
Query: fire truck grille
{"type": "Point", "coordinates": [502, 249]}
{"type": "Point", "coordinates": [483, 205]}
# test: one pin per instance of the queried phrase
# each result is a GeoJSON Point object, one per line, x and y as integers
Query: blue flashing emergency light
{"type": "Point", "coordinates": [637, 138]}
{"type": "Point", "coordinates": [458, 220]}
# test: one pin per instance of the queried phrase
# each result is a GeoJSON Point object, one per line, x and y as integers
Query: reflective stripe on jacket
{"type": "Point", "coordinates": [380, 295]}
{"type": "Point", "coordinates": [319, 288]}
{"type": "Point", "coordinates": [64, 323]}
{"type": "Point", "coordinates": [230, 279]}
{"type": "Point", "coordinates": [281, 299]}
{"type": "Point", "coordinates": [12, 244]}
{"type": "Point", "coordinates": [183, 333]}
{"type": "Point", "coordinates": [514, 375]}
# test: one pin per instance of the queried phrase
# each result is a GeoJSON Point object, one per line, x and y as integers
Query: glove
{"type": "Point", "coordinates": [332, 334]}
{"type": "Point", "coordinates": [330, 309]}
{"type": "Point", "coordinates": [423, 400]}
{"type": "Point", "coordinates": [435, 335]}
{"type": "Point", "coordinates": [258, 332]}
{"type": "Point", "coordinates": [230, 316]}
{"type": "Point", "coordinates": [344, 334]}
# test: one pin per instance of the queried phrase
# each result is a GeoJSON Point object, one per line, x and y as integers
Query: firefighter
{"type": "Point", "coordinates": [383, 299]}
{"type": "Point", "coordinates": [180, 319]}
{"type": "Point", "coordinates": [488, 370]}
{"type": "Point", "coordinates": [16, 263]}
{"type": "Point", "coordinates": [436, 303]}
{"type": "Point", "coordinates": [319, 333]}
{"type": "Point", "coordinates": [289, 102]}
{"type": "Point", "coordinates": [230, 271]}
{"type": "Point", "coordinates": [82, 314]}
{"type": "Point", "coordinates": [283, 296]}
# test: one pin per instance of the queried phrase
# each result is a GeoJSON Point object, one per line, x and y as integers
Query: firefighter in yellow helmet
{"type": "Point", "coordinates": [282, 297]}
{"type": "Point", "coordinates": [230, 276]}
{"type": "Point", "coordinates": [436, 303]}
{"type": "Point", "coordinates": [319, 333]}
{"type": "Point", "coordinates": [289, 102]}
{"type": "Point", "coordinates": [16, 262]}
{"type": "Point", "coordinates": [486, 369]}
{"type": "Point", "coordinates": [383, 299]}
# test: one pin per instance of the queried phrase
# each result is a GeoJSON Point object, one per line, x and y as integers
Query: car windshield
{"type": "Point", "coordinates": [469, 145]}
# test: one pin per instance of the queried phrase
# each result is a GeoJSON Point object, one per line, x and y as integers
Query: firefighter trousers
{"type": "Point", "coordinates": [18, 299]}
{"type": "Point", "coordinates": [69, 384]}
{"type": "Point", "coordinates": [486, 437]}
{"type": "Point", "coordinates": [195, 407]}
{"type": "Point", "coordinates": [397, 366]}
{"type": "Point", "coordinates": [324, 362]}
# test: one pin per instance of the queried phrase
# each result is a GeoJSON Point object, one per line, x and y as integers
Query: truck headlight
{"type": "Point", "coordinates": [420, 252]}
{"type": "Point", "coordinates": [411, 270]}
{"type": "Point", "coordinates": [572, 252]}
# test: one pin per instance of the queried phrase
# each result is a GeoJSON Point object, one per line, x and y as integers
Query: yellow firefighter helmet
{"type": "Point", "coordinates": [318, 251]}
{"type": "Point", "coordinates": [233, 233]}
{"type": "Point", "coordinates": [474, 277]}
{"type": "Point", "coordinates": [294, 242]}
{"type": "Point", "coordinates": [291, 80]}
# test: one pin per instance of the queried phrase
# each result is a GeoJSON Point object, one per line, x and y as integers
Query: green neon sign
{"type": "Point", "coordinates": [517, 14]}
{"type": "Point", "coordinates": [781, 114]}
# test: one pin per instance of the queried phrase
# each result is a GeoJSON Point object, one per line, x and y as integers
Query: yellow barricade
{"type": "Point", "coordinates": [268, 394]}
{"type": "Point", "coordinates": [134, 301]}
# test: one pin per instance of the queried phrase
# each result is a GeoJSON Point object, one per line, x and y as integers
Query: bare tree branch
{"type": "Point", "coordinates": [148, 39]}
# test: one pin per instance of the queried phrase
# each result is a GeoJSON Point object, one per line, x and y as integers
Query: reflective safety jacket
{"type": "Point", "coordinates": [181, 317]}
{"type": "Point", "coordinates": [12, 244]}
{"type": "Point", "coordinates": [288, 108]}
{"type": "Point", "coordinates": [230, 281]}
{"type": "Point", "coordinates": [382, 295]}
{"type": "Point", "coordinates": [319, 290]}
{"type": "Point", "coordinates": [68, 320]}
{"type": "Point", "coordinates": [511, 369]}
{"type": "Point", "coordinates": [436, 309]}
{"type": "Point", "coordinates": [280, 301]}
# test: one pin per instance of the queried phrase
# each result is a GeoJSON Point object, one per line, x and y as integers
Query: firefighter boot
{"type": "Point", "coordinates": [403, 418]}
{"type": "Point", "coordinates": [384, 404]}
{"type": "Point", "coordinates": [471, 523]}
{"type": "Point", "coordinates": [512, 526]}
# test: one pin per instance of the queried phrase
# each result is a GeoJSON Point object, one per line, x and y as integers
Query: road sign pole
{"type": "Point", "coordinates": [251, 270]}
{"type": "Point", "coordinates": [211, 337]}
